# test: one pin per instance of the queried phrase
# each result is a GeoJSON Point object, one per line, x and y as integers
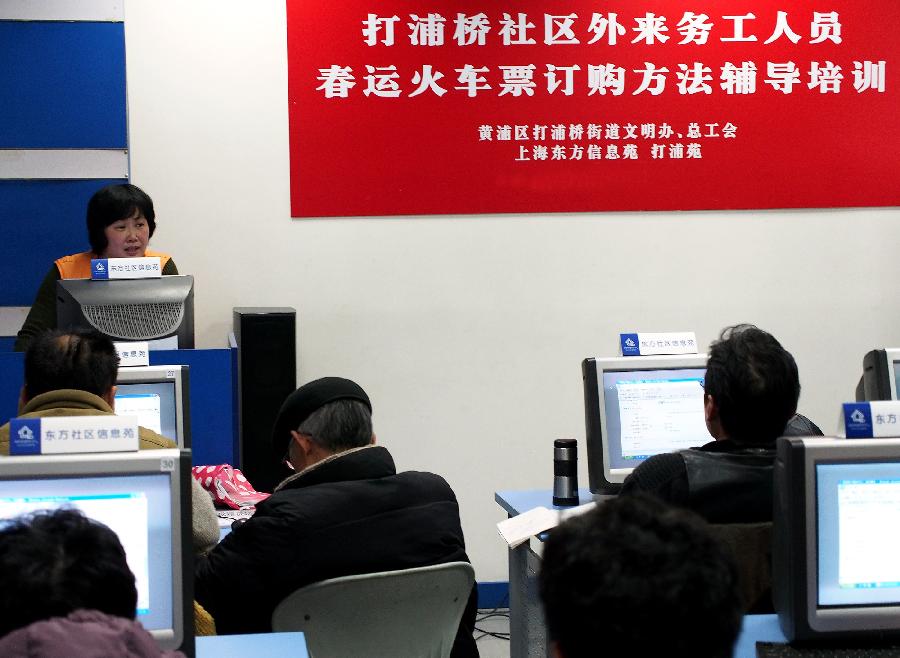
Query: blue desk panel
{"type": "Point", "coordinates": [260, 645]}
{"type": "Point", "coordinates": [212, 409]}
{"type": "Point", "coordinates": [62, 85]}
{"type": "Point", "coordinates": [42, 220]}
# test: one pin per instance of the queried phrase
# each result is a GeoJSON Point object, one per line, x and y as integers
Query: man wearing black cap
{"type": "Point", "coordinates": [344, 511]}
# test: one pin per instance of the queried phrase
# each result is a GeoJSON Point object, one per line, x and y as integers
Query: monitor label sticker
{"type": "Point", "coordinates": [72, 434]}
{"type": "Point", "coordinates": [146, 267]}
{"type": "Point", "coordinates": [133, 353]}
{"type": "Point", "coordinates": [868, 420]}
{"type": "Point", "coordinates": [643, 344]}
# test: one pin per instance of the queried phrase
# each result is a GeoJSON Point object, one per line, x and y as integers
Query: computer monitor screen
{"type": "Point", "coordinates": [143, 498]}
{"type": "Point", "coordinates": [160, 310]}
{"type": "Point", "coordinates": [637, 407]}
{"type": "Point", "coordinates": [836, 529]}
{"type": "Point", "coordinates": [159, 396]}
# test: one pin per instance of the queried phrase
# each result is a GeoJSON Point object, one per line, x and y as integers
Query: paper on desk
{"type": "Point", "coordinates": [519, 529]}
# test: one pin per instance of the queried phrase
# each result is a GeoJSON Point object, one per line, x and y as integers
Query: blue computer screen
{"type": "Point", "coordinates": [653, 411]}
{"type": "Point", "coordinates": [858, 522]}
{"type": "Point", "coordinates": [152, 403]}
{"type": "Point", "coordinates": [138, 508]}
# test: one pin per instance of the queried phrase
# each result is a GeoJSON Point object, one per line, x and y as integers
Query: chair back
{"type": "Point", "coordinates": [411, 612]}
{"type": "Point", "coordinates": [751, 546]}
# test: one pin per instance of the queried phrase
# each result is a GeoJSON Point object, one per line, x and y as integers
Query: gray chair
{"type": "Point", "coordinates": [411, 612]}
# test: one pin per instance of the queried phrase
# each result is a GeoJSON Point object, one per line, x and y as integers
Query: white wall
{"type": "Point", "coordinates": [468, 332]}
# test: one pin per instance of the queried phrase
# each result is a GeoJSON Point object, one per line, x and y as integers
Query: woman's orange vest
{"type": "Point", "coordinates": [78, 266]}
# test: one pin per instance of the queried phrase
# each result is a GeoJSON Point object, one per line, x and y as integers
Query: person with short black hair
{"type": "Point", "coordinates": [636, 577]}
{"type": "Point", "coordinates": [345, 510]}
{"type": "Point", "coordinates": [751, 393]}
{"type": "Point", "coordinates": [67, 590]}
{"type": "Point", "coordinates": [73, 373]}
{"type": "Point", "coordinates": [120, 222]}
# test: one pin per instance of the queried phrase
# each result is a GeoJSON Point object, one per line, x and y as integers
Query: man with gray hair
{"type": "Point", "coordinates": [345, 510]}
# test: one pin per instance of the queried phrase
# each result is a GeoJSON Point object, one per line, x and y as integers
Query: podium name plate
{"type": "Point", "coordinates": [146, 267]}
{"type": "Point", "coordinates": [65, 434]}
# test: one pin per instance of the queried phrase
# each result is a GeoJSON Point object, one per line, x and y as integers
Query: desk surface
{"type": "Point", "coordinates": [522, 500]}
{"type": "Point", "coordinates": [257, 645]}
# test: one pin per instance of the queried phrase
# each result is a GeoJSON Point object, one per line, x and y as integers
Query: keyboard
{"type": "Point", "coordinates": [781, 650]}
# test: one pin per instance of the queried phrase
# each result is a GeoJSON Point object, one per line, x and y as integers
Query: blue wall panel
{"type": "Point", "coordinates": [62, 85]}
{"type": "Point", "coordinates": [39, 222]}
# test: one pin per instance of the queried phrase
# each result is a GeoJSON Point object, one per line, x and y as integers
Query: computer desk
{"type": "Point", "coordinates": [258, 645]}
{"type": "Point", "coordinates": [528, 632]}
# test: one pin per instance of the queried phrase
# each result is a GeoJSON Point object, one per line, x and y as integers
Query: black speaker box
{"type": "Point", "coordinates": [267, 374]}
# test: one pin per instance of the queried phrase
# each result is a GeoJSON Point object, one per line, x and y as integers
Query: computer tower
{"type": "Point", "coordinates": [267, 374]}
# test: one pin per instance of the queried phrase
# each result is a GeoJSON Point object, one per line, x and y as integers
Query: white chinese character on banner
{"type": "Point", "coordinates": [650, 29]}
{"type": "Point", "coordinates": [539, 152]}
{"type": "Point", "coordinates": [471, 82]}
{"type": "Point", "coordinates": [375, 24]}
{"type": "Point", "coordinates": [539, 132]}
{"type": "Point", "coordinates": [693, 131]}
{"type": "Point", "coordinates": [693, 151]}
{"type": "Point", "coordinates": [826, 77]}
{"type": "Point", "coordinates": [782, 29]}
{"type": "Point", "coordinates": [471, 29]}
{"type": "Point", "coordinates": [382, 81]}
{"type": "Point", "coordinates": [868, 75]}
{"type": "Point", "coordinates": [427, 80]}
{"type": "Point", "coordinates": [729, 130]}
{"type": "Point", "coordinates": [553, 83]}
{"type": "Point", "coordinates": [630, 131]}
{"type": "Point", "coordinates": [612, 131]}
{"type": "Point", "coordinates": [558, 152]}
{"type": "Point", "coordinates": [517, 80]}
{"type": "Point", "coordinates": [612, 152]}
{"type": "Point", "coordinates": [515, 32]}
{"type": "Point", "coordinates": [739, 80]}
{"type": "Point", "coordinates": [594, 152]}
{"type": "Point", "coordinates": [576, 131]}
{"type": "Point", "coordinates": [658, 151]}
{"type": "Point", "coordinates": [558, 29]}
{"type": "Point", "coordinates": [606, 25]}
{"type": "Point", "coordinates": [523, 154]}
{"type": "Point", "coordinates": [825, 25]}
{"type": "Point", "coordinates": [664, 131]}
{"type": "Point", "coordinates": [504, 133]}
{"type": "Point", "coordinates": [782, 76]}
{"type": "Point", "coordinates": [594, 131]}
{"type": "Point", "coordinates": [577, 152]}
{"type": "Point", "coordinates": [693, 79]}
{"type": "Point", "coordinates": [738, 32]}
{"type": "Point", "coordinates": [654, 79]}
{"type": "Point", "coordinates": [521, 133]}
{"type": "Point", "coordinates": [601, 77]}
{"type": "Point", "coordinates": [485, 133]}
{"type": "Point", "coordinates": [694, 28]}
{"type": "Point", "coordinates": [648, 130]}
{"type": "Point", "coordinates": [427, 31]}
{"type": "Point", "coordinates": [336, 81]}
{"type": "Point", "coordinates": [630, 152]}
{"type": "Point", "coordinates": [558, 132]}
{"type": "Point", "coordinates": [676, 151]}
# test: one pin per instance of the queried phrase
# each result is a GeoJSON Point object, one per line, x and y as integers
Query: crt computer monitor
{"type": "Point", "coordinates": [159, 397]}
{"type": "Point", "coordinates": [639, 406]}
{"type": "Point", "coordinates": [836, 526]}
{"type": "Point", "coordinates": [145, 498]}
{"type": "Point", "coordinates": [881, 370]}
{"type": "Point", "coordinates": [129, 309]}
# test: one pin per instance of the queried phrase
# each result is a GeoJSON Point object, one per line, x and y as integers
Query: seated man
{"type": "Point", "coordinates": [345, 511]}
{"type": "Point", "coordinates": [74, 374]}
{"type": "Point", "coordinates": [751, 393]}
{"type": "Point", "coordinates": [67, 590]}
{"type": "Point", "coordinates": [635, 577]}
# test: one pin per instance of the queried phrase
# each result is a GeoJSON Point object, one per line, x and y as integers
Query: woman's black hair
{"type": "Point", "coordinates": [112, 203]}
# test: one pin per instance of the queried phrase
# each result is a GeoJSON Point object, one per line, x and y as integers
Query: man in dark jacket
{"type": "Point", "coordinates": [751, 393]}
{"type": "Point", "coordinates": [344, 511]}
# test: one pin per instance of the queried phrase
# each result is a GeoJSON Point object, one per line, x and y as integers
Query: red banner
{"type": "Point", "coordinates": [434, 108]}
